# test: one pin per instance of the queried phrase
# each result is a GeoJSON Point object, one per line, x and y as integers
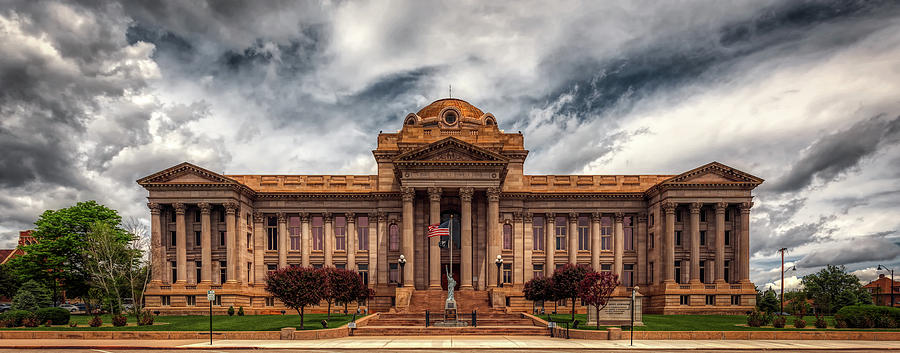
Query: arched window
{"type": "Point", "coordinates": [410, 121]}
{"type": "Point", "coordinates": [450, 117]}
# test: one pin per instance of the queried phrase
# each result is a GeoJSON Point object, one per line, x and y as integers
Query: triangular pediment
{"type": "Point", "coordinates": [714, 173]}
{"type": "Point", "coordinates": [451, 150]}
{"type": "Point", "coordinates": [185, 173]}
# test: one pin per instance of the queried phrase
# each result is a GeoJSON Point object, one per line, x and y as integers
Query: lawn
{"type": "Point", "coordinates": [201, 323]}
{"type": "Point", "coordinates": [703, 323]}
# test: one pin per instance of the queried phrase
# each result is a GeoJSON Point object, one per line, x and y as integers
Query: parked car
{"type": "Point", "coordinates": [4, 307]}
{"type": "Point", "coordinates": [71, 308]}
{"type": "Point", "coordinates": [81, 307]}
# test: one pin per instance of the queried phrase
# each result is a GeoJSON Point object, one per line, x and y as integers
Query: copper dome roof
{"type": "Point", "coordinates": [467, 110]}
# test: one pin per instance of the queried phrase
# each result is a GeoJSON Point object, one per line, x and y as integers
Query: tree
{"type": "Point", "coordinates": [364, 294]}
{"type": "Point", "coordinates": [596, 289]}
{"type": "Point", "coordinates": [769, 302]}
{"type": "Point", "coordinates": [833, 288]}
{"type": "Point", "coordinates": [107, 260]}
{"type": "Point", "coordinates": [565, 282]}
{"type": "Point", "coordinates": [56, 260]}
{"type": "Point", "coordinates": [347, 285]}
{"type": "Point", "coordinates": [31, 296]}
{"type": "Point", "coordinates": [538, 289]}
{"type": "Point", "coordinates": [297, 287]}
{"type": "Point", "coordinates": [137, 273]}
{"type": "Point", "coordinates": [8, 283]}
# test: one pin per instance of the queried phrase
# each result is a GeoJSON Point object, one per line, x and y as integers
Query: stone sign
{"type": "Point", "coordinates": [617, 312]}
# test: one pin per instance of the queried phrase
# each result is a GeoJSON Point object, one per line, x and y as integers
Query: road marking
{"type": "Point", "coordinates": [101, 351]}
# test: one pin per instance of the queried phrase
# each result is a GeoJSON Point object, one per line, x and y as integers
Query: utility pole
{"type": "Point", "coordinates": [782, 250]}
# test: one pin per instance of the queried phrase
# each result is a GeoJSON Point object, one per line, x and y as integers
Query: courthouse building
{"type": "Point", "coordinates": [682, 239]}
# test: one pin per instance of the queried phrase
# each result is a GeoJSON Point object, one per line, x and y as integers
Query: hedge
{"type": "Point", "coordinates": [868, 316]}
{"type": "Point", "coordinates": [16, 316]}
{"type": "Point", "coordinates": [57, 316]}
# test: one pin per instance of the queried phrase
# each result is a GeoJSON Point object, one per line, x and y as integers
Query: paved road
{"type": "Point", "coordinates": [389, 350]}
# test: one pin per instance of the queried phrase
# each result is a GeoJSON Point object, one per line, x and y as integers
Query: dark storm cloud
{"type": "Point", "coordinates": [862, 249]}
{"type": "Point", "coordinates": [832, 155]}
{"type": "Point", "coordinates": [803, 234]}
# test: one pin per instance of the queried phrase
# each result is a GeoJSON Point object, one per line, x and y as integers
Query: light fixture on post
{"type": "Point", "coordinates": [881, 267]}
{"type": "Point", "coordinates": [499, 263]}
{"type": "Point", "coordinates": [402, 262]}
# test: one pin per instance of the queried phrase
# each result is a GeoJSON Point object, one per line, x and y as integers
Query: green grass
{"type": "Point", "coordinates": [704, 323]}
{"type": "Point", "coordinates": [201, 323]}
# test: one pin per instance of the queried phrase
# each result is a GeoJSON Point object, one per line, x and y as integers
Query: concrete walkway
{"type": "Point", "coordinates": [519, 343]}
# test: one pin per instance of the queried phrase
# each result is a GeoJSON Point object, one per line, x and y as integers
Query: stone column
{"type": "Point", "coordinates": [158, 250]}
{"type": "Point", "coordinates": [720, 241]}
{"type": "Point", "coordinates": [434, 252]}
{"type": "Point", "coordinates": [305, 239]}
{"type": "Point", "coordinates": [406, 243]}
{"type": "Point", "coordinates": [205, 244]}
{"type": "Point", "coordinates": [180, 245]}
{"type": "Point", "coordinates": [350, 232]}
{"type": "Point", "coordinates": [230, 243]}
{"type": "Point", "coordinates": [618, 242]}
{"type": "Point", "coordinates": [695, 242]}
{"type": "Point", "coordinates": [669, 234]}
{"type": "Point", "coordinates": [465, 263]}
{"type": "Point", "coordinates": [241, 255]}
{"type": "Point", "coordinates": [745, 242]}
{"type": "Point", "coordinates": [493, 223]}
{"type": "Point", "coordinates": [281, 240]}
{"type": "Point", "coordinates": [518, 248]}
{"type": "Point", "coordinates": [642, 249]}
{"type": "Point", "coordinates": [549, 245]}
{"type": "Point", "coordinates": [595, 240]}
{"type": "Point", "coordinates": [259, 248]}
{"type": "Point", "coordinates": [528, 237]}
{"type": "Point", "coordinates": [573, 238]}
{"type": "Point", "coordinates": [374, 270]}
{"type": "Point", "coordinates": [328, 241]}
{"type": "Point", "coordinates": [382, 247]}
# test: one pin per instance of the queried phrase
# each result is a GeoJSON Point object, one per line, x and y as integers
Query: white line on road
{"type": "Point", "coordinates": [101, 351]}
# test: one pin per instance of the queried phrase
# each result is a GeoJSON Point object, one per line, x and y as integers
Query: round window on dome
{"type": "Point", "coordinates": [450, 118]}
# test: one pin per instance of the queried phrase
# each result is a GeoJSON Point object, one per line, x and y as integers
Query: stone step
{"type": "Point", "coordinates": [413, 322]}
{"type": "Point", "coordinates": [450, 331]}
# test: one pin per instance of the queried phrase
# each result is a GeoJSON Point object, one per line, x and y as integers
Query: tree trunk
{"type": "Point", "coordinates": [329, 308]}
{"type": "Point", "coordinates": [573, 309]}
{"type": "Point", "coordinates": [345, 309]}
{"type": "Point", "coordinates": [300, 311]}
{"type": "Point", "coordinates": [598, 316]}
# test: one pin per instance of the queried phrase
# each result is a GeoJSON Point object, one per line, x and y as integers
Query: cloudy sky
{"type": "Point", "coordinates": [805, 94]}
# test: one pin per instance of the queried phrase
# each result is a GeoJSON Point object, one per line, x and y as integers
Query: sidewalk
{"type": "Point", "coordinates": [451, 342]}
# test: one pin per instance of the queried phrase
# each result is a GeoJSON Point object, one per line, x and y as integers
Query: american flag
{"type": "Point", "coordinates": [439, 230]}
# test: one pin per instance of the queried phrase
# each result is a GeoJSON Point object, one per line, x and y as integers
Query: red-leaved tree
{"type": "Point", "coordinates": [596, 289]}
{"type": "Point", "coordinates": [296, 287]}
{"type": "Point", "coordinates": [345, 286]}
{"type": "Point", "coordinates": [538, 289]}
{"type": "Point", "coordinates": [565, 282]}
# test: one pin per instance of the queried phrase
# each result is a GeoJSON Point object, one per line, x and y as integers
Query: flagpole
{"type": "Point", "coordinates": [451, 245]}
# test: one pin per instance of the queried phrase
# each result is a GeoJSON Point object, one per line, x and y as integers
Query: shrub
{"type": "Point", "coordinates": [17, 316]}
{"type": "Point", "coordinates": [799, 323]}
{"type": "Point", "coordinates": [31, 296]}
{"type": "Point", "coordinates": [840, 324]}
{"type": "Point", "coordinates": [96, 321]}
{"type": "Point", "coordinates": [779, 321]}
{"type": "Point", "coordinates": [231, 310]}
{"type": "Point", "coordinates": [119, 320]}
{"type": "Point", "coordinates": [73, 324]}
{"type": "Point", "coordinates": [4, 322]}
{"type": "Point", "coordinates": [758, 318]}
{"type": "Point", "coordinates": [30, 322]}
{"type": "Point", "coordinates": [146, 318]}
{"type": "Point", "coordinates": [47, 323]}
{"type": "Point", "coordinates": [58, 316]}
{"type": "Point", "coordinates": [867, 316]}
{"type": "Point", "coordinates": [820, 322]}
{"type": "Point", "coordinates": [241, 311]}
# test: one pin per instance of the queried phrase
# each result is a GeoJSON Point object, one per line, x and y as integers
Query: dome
{"type": "Point", "coordinates": [465, 109]}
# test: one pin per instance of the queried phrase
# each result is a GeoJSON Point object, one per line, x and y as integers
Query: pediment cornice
{"type": "Point", "coordinates": [450, 149]}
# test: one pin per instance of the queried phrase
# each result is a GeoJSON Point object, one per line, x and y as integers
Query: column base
{"type": "Point", "coordinates": [466, 287]}
{"type": "Point", "coordinates": [694, 281]}
{"type": "Point", "coordinates": [719, 281]}
{"type": "Point", "coordinates": [181, 281]}
{"type": "Point", "coordinates": [206, 282]}
{"type": "Point", "coordinates": [434, 286]}
{"type": "Point", "coordinates": [230, 281]}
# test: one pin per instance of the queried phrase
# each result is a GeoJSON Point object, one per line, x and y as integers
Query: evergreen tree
{"type": "Point", "coordinates": [31, 296]}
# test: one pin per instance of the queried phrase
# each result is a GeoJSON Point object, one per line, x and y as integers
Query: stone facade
{"type": "Point", "coordinates": [682, 239]}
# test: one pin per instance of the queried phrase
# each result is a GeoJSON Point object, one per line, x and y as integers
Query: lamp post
{"type": "Point", "coordinates": [880, 267]}
{"type": "Point", "coordinates": [402, 262]}
{"type": "Point", "coordinates": [499, 263]}
{"type": "Point", "coordinates": [782, 250]}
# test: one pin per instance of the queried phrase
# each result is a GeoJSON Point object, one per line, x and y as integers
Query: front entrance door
{"type": "Point", "coordinates": [444, 276]}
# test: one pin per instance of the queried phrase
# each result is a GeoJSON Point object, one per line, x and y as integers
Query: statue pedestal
{"type": "Point", "coordinates": [451, 317]}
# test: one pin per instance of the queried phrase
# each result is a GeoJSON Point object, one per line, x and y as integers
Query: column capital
{"type": "Point", "coordinates": [517, 216]}
{"type": "Point", "coordinates": [493, 194]}
{"type": "Point", "coordinates": [528, 216]}
{"type": "Point", "coordinates": [391, 218]}
{"type": "Point", "coordinates": [550, 217]}
{"type": "Point", "coordinates": [434, 194]}
{"type": "Point", "coordinates": [668, 207]}
{"type": "Point", "coordinates": [282, 217]}
{"type": "Point", "coordinates": [573, 216]}
{"type": "Point", "coordinates": [327, 216]}
{"type": "Point", "coordinates": [596, 216]}
{"type": "Point", "coordinates": [179, 208]}
{"type": "Point", "coordinates": [230, 207]}
{"type": "Point", "coordinates": [466, 194]}
{"type": "Point", "coordinates": [351, 217]}
{"type": "Point", "coordinates": [154, 208]}
{"type": "Point", "coordinates": [642, 217]}
{"type": "Point", "coordinates": [381, 216]}
{"type": "Point", "coordinates": [619, 217]}
{"type": "Point", "coordinates": [304, 216]}
{"type": "Point", "coordinates": [204, 207]}
{"type": "Point", "coordinates": [745, 207]}
{"type": "Point", "coordinates": [408, 194]}
{"type": "Point", "coordinates": [720, 207]}
{"type": "Point", "coordinates": [257, 217]}
{"type": "Point", "coordinates": [695, 207]}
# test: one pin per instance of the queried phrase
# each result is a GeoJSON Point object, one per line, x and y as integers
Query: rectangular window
{"type": "Point", "coordinates": [340, 233]}
{"type": "Point", "coordinates": [270, 268]}
{"type": "Point", "coordinates": [702, 238]}
{"type": "Point", "coordinates": [191, 300]}
{"type": "Point", "coordinates": [538, 270]}
{"type": "Point", "coordinates": [677, 215]}
{"type": "Point", "coordinates": [270, 301]}
{"type": "Point", "coordinates": [341, 266]}
{"type": "Point", "coordinates": [318, 232]}
{"type": "Point", "coordinates": [735, 300]}
{"type": "Point", "coordinates": [394, 237]}
{"type": "Point", "coordinates": [318, 265]}
{"type": "Point", "coordinates": [606, 233]}
{"type": "Point", "coordinates": [198, 239]}
{"type": "Point", "coordinates": [507, 273]}
{"type": "Point", "coordinates": [272, 233]}
{"type": "Point", "coordinates": [727, 270]}
{"type": "Point", "coordinates": [684, 300]}
{"type": "Point", "coordinates": [393, 273]}
{"type": "Point", "coordinates": [727, 238]}
{"type": "Point", "coordinates": [197, 216]}
{"type": "Point", "coordinates": [629, 234]}
{"type": "Point", "coordinates": [537, 231]}
{"type": "Point", "coordinates": [249, 272]}
{"type": "Point", "coordinates": [198, 267]}
{"type": "Point", "coordinates": [174, 271]}
{"type": "Point", "coordinates": [173, 237]}
{"type": "Point", "coordinates": [628, 275]}
{"type": "Point", "coordinates": [218, 300]}
{"type": "Point", "coordinates": [677, 238]}
{"type": "Point", "coordinates": [363, 272]}
{"type": "Point", "coordinates": [710, 300]}
{"type": "Point", "coordinates": [702, 215]}
{"type": "Point", "coordinates": [294, 231]}
{"type": "Point", "coordinates": [650, 272]}
{"type": "Point", "coordinates": [652, 240]}
{"type": "Point", "coordinates": [166, 300]}
{"type": "Point", "coordinates": [584, 233]}
{"type": "Point", "coordinates": [677, 271]}
{"type": "Point", "coordinates": [223, 272]}
{"type": "Point", "coordinates": [249, 241]}
{"type": "Point", "coordinates": [727, 214]}
{"type": "Point", "coordinates": [605, 267]}
{"type": "Point", "coordinates": [651, 220]}
{"type": "Point", "coordinates": [222, 239]}
{"type": "Point", "coordinates": [703, 271]}
{"type": "Point", "coordinates": [221, 214]}
{"type": "Point", "coordinates": [362, 233]}
{"type": "Point", "coordinates": [507, 237]}
{"type": "Point", "coordinates": [561, 233]}
{"type": "Point", "coordinates": [172, 216]}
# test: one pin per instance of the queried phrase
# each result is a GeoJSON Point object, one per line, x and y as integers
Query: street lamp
{"type": "Point", "coordinates": [402, 263]}
{"type": "Point", "coordinates": [793, 268]}
{"type": "Point", "coordinates": [880, 267]}
{"type": "Point", "coordinates": [499, 263]}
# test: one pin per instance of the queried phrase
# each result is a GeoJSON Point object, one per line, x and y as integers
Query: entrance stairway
{"type": "Point", "coordinates": [433, 300]}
